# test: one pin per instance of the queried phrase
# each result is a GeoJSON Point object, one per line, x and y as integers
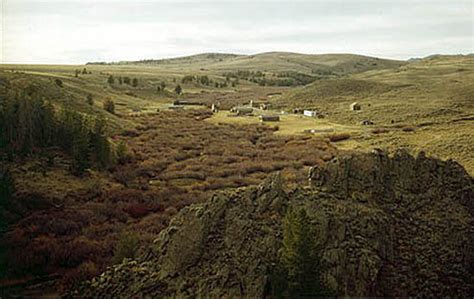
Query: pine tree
{"type": "Point", "coordinates": [300, 261]}
{"type": "Point", "coordinates": [80, 147]}
{"type": "Point", "coordinates": [178, 89]}
{"type": "Point", "coordinates": [111, 80]}
{"type": "Point", "coordinates": [135, 82]}
{"type": "Point", "coordinates": [90, 100]}
{"type": "Point", "coordinates": [101, 145]}
{"type": "Point", "coordinates": [109, 106]}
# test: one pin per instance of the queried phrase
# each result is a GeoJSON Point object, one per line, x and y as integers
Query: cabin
{"type": "Point", "coordinates": [264, 118]}
{"type": "Point", "coordinates": [242, 110]}
{"type": "Point", "coordinates": [310, 113]}
{"type": "Point", "coordinates": [355, 106]}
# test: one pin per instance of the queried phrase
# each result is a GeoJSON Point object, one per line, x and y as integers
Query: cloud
{"type": "Point", "coordinates": [77, 31]}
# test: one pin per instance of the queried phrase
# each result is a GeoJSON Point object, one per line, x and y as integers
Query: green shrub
{"type": "Point", "coordinates": [127, 247]}
{"type": "Point", "coordinates": [59, 82]}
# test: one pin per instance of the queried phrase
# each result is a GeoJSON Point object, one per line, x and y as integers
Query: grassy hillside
{"type": "Point", "coordinates": [432, 99]}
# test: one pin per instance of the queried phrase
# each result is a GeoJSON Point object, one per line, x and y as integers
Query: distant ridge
{"type": "Point", "coordinates": [273, 62]}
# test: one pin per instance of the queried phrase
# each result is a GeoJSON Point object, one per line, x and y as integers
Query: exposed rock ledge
{"type": "Point", "coordinates": [389, 226]}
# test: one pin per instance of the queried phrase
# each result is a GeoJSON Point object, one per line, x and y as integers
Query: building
{"type": "Point", "coordinates": [269, 118]}
{"type": "Point", "coordinates": [310, 113]}
{"type": "Point", "coordinates": [242, 110]}
{"type": "Point", "coordinates": [186, 102]}
{"type": "Point", "coordinates": [355, 106]}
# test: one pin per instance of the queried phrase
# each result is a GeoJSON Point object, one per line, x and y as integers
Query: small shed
{"type": "Point", "coordinates": [264, 118]}
{"type": "Point", "coordinates": [355, 106]}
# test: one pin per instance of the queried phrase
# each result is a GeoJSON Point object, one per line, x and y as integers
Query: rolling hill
{"type": "Point", "coordinates": [274, 62]}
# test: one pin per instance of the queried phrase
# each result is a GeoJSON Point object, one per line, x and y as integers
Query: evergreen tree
{"type": "Point", "coordinates": [109, 106]}
{"type": "Point", "coordinates": [111, 80]}
{"type": "Point", "coordinates": [101, 145]}
{"type": "Point", "coordinates": [300, 261]}
{"type": "Point", "coordinates": [84, 71]}
{"type": "Point", "coordinates": [90, 100]}
{"type": "Point", "coordinates": [80, 151]}
{"type": "Point", "coordinates": [59, 82]}
{"type": "Point", "coordinates": [178, 89]}
{"type": "Point", "coordinates": [126, 80]}
{"type": "Point", "coordinates": [135, 82]}
{"type": "Point", "coordinates": [120, 80]}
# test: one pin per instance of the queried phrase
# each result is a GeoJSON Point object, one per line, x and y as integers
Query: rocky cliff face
{"type": "Point", "coordinates": [387, 225]}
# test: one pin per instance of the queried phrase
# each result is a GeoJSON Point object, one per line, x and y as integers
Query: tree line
{"type": "Point", "coordinates": [29, 125]}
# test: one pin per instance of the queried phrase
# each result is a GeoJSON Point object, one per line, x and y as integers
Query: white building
{"type": "Point", "coordinates": [310, 113]}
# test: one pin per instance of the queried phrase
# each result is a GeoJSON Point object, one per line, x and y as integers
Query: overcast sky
{"type": "Point", "coordinates": [78, 31]}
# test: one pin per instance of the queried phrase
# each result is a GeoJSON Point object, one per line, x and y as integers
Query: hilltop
{"type": "Point", "coordinates": [275, 62]}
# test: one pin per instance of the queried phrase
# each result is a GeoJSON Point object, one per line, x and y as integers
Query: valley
{"type": "Point", "coordinates": [171, 153]}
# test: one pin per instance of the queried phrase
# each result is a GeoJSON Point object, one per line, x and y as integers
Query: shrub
{"type": "Point", "coordinates": [408, 129]}
{"type": "Point", "coordinates": [127, 247]}
{"type": "Point", "coordinates": [58, 82]}
{"type": "Point", "coordinates": [90, 100]}
{"type": "Point", "coordinates": [109, 106]}
{"type": "Point", "coordinates": [85, 271]}
{"type": "Point", "coordinates": [135, 82]}
{"type": "Point", "coordinates": [123, 153]}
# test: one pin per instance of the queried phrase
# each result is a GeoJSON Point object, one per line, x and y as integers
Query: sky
{"type": "Point", "coordinates": [80, 31]}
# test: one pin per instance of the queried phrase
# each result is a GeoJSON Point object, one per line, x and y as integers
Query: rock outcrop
{"type": "Point", "coordinates": [387, 225]}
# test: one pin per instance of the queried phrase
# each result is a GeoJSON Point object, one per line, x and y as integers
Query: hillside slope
{"type": "Point", "coordinates": [432, 99]}
{"type": "Point", "coordinates": [386, 226]}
